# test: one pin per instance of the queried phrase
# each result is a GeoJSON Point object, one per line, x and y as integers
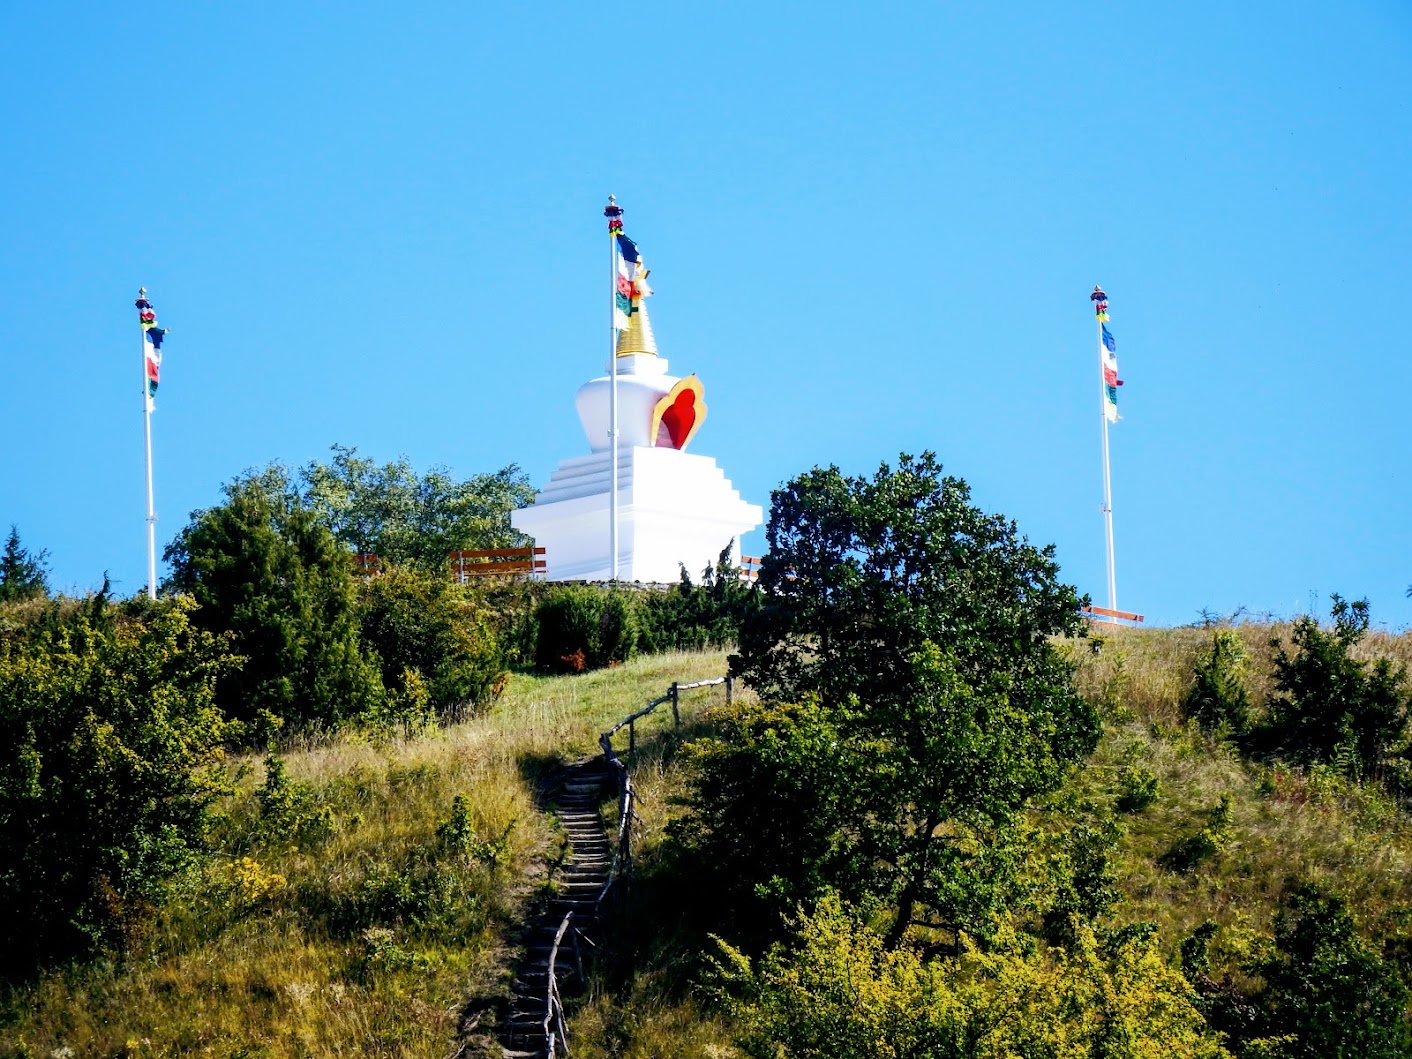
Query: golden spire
{"type": "Point", "coordinates": [637, 336]}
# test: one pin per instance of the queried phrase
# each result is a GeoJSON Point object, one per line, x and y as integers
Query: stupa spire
{"type": "Point", "coordinates": [637, 336]}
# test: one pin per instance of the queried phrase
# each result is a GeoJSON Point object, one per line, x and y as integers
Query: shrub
{"type": "Point", "coordinates": [1325, 991]}
{"type": "Point", "coordinates": [599, 623]}
{"type": "Point", "coordinates": [1330, 705]}
{"type": "Point", "coordinates": [425, 624]}
{"type": "Point", "coordinates": [1187, 853]}
{"type": "Point", "coordinates": [109, 736]}
{"type": "Point", "coordinates": [843, 995]}
{"type": "Point", "coordinates": [290, 812]}
{"type": "Point", "coordinates": [1218, 699]}
{"type": "Point", "coordinates": [691, 616]}
{"type": "Point", "coordinates": [1137, 789]}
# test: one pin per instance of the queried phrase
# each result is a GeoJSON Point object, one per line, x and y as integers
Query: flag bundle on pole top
{"type": "Point", "coordinates": [152, 337]}
{"type": "Point", "coordinates": [1108, 385]}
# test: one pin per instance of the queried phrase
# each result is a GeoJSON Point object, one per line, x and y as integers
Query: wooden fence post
{"type": "Point", "coordinates": [676, 713]}
{"type": "Point", "coordinates": [730, 689]}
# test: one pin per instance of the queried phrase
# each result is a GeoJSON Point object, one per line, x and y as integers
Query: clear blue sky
{"type": "Point", "coordinates": [872, 229]}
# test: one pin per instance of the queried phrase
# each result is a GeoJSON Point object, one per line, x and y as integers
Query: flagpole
{"type": "Point", "coordinates": [1107, 478]}
{"type": "Point", "coordinates": [613, 210]}
{"type": "Point", "coordinates": [147, 447]}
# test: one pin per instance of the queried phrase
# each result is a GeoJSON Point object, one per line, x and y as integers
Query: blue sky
{"type": "Point", "coordinates": [871, 228]}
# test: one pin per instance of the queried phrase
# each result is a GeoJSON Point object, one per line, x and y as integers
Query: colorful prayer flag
{"type": "Point", "coordinates": [631, 282]}
{"type": "Point", "coordinates": [1108, 342]}
{"type": "Point", "coordinates": [152, 336]}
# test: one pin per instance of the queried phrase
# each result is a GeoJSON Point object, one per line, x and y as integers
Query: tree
{"type": "Point", "coordinates": [860, 573]}
{"type": "Point", "coordinates": [264, 569]}
{"type": "Point", "coordinates": [403, 517]}
{"type": "Point", "coordinates": [108, 732]}
{"type": "Point", "coordinates": [915, 630]}
{"type": "Point", "coordinates": [22, 572]}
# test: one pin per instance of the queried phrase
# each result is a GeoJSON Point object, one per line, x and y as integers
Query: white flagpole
{"type": "Point", "coordinates": [613, 210]}
{"type": "Point", "coordinates": [147, 438]}
{"type": "Point", "coordinates": [1107, 479]}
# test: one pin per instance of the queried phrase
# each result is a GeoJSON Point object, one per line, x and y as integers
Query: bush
{"type": "Point", "coordinates": [1325, 991]}
{"type": "Point", "coordinates": [689, 617]}
{"type": "Point", "coordinates": [424, 624]}
{"type": "Point", "coordinates": [1138, 788]}
{"type": "Point", "coordinates": [1187, 853]}
{"type": "Point", "coordinates": [843, 995]}
{"type": "Point", "coordinates": [109, 736]}
{"type": "Point", "coordinates": [585, 627]}
{"type": "Point", "coordinates": [1330, 706]}
{"type": "Point", "coordinates": [1218, 699]}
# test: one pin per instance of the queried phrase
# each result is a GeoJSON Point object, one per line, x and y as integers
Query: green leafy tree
{"type": "Point", "coordinates": [264, 569]}
{"type": "Point", "coordinates": [22, 573]}
{"type": "Point", "coordinates": [1329, 705]}
{"type": "Point", "coordinates": [403, 517]}
{"type": "Point", "coordinates": [921, 626]}
{"type": "Point", "coordinates": [861, 573]}
{"type": "Point", "coordinates": [108, 734]}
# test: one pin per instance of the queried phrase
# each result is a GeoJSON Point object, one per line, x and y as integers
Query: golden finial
{"type": "Point", "coordinates": [637, 336]}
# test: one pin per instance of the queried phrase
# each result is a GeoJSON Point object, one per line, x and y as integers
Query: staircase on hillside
{"type": "Point", "coordinates": [579, 882]}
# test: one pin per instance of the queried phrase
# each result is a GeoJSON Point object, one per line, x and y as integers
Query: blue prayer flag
{"type": "Point", "coordinates": [628, 249]}
{"type": "Point", "coordinates": [1108, 342]}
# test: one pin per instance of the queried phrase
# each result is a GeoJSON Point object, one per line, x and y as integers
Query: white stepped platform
{"type": "Point", "coordinates": [674, 508]}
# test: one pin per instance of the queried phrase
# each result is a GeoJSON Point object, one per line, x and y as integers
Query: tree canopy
{"type": "Point", "coordinates": [404, 517]}
{"type": "Point", "coordinates": [914, 703]}
{"type": "Point", "coordinates": [264, 568]}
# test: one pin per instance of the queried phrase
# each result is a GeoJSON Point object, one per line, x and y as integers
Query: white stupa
{"type": "Point", "coordinates": [674, 507]}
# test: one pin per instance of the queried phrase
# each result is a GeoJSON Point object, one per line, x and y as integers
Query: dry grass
{"type": "Point", "coordinates": [261, 964]}
{"type": "Point", "coordinates": [1288, 825]}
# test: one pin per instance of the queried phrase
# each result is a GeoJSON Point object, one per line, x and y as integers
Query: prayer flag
{"type": "Point", "coordinates": [152, 336]}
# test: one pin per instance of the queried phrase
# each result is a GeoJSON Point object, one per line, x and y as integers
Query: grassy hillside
{"type": "Point", "coordinates": [343, 916]}
{"type": "Point", "coordinates": [336, 919]}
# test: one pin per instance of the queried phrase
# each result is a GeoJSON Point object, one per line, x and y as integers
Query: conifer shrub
{"type": "Point", "coordinates": [692, 617]}
{"type": "Point", "coordinates": [1328, 705]}
{"type": "Point", "coordinates": [1218, 699]}
{"type": "Point", "coordinates": [1186, 853]}
{"type": "Point", "coordinates": [1138, 788]}
{"type": "Point", "coordinates": [598, 624]}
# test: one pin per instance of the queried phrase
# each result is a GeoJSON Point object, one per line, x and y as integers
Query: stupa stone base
{"type": "Point", "coordinates": [674, 508]}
